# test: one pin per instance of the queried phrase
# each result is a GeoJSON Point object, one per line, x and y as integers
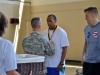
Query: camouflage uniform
{"type": "Point", "coordinates": [36, 44]}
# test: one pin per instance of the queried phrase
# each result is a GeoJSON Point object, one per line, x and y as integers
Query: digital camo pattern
{"type": "Point", "coordinates": [36, 44]}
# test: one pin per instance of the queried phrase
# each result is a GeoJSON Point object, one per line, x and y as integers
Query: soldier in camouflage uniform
{"type": "Point", "coordinates": [35, 43]}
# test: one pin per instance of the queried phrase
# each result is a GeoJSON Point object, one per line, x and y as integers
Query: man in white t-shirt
{"type": "Point", "coordinates": [55, 34]}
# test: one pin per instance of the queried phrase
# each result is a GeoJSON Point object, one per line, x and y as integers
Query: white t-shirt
{"type": "Point", "coordinates": [7, 56]}
{"type": "Point", "coordinates": [60, 40]}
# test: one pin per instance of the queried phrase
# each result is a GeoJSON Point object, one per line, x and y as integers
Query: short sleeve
{"type": "Point", "coordinates": [64, 39]}
{"type": "Point", "coordinates": [9, 57]}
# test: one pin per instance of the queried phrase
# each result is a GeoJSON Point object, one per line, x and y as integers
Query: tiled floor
{"type": "Point", "coordinates": [71, 69]}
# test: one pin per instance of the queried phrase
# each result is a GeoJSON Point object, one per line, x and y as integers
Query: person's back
{"type": "Point", "coordinates": [36, 44]}
{"type": "Point", "coordinates": [4, 56]}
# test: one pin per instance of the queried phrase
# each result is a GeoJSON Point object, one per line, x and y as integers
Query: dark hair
{"type": "Point", "coordinates": [3, 23]}
{"type": "Point", "coordinates": [35, 22]}
{"type": "Point", "coordinates": [54, 17]}
{"type": "Point", "coordinates": [92, 10]}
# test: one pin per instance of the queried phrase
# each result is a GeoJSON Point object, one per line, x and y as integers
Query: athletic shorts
{"type": "Point", "coordinates": [91, 68]}
{"type": "Point", "coordinates": [53, 71]}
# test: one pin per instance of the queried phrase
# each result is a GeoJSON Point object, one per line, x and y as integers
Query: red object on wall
{"type": "Point", "coordinates": [14, 21]}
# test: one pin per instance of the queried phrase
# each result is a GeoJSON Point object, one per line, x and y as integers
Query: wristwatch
{"type": "Point", "coordinates": [61, 63]}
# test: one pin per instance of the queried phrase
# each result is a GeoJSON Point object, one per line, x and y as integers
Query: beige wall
{"type": "Point", "coordinates": [44, 2]}
{"type": "Point", "coordinates": [10, 11]}
{"type": "Point", "coordinates": [22, 31]}
{"type": "Point", "coordinates": [70, 17]}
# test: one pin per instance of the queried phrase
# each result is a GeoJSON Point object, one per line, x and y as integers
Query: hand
{"type": "Point", "coordinates": [52, 43]}
{"type": "Point", "coordinates": [12, 72]}
{"type": "Point", "coordinates": [82, 60]}
{"type": "Point", "coordinates": [59, 68]}
{"type": "Point", "coordinates": [30, 73]}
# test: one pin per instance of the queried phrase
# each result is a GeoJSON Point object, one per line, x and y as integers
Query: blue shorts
{"type": "Point", "coordinates": [53, 71]}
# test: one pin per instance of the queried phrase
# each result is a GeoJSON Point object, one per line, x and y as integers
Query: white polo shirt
{"type": "Point", "coordinates": [7, 56]}
{"type": "Point", "coordinates": [60, 40]}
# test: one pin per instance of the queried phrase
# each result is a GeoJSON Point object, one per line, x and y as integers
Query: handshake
{"type": "Point", "coordinates": [52, 43]}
